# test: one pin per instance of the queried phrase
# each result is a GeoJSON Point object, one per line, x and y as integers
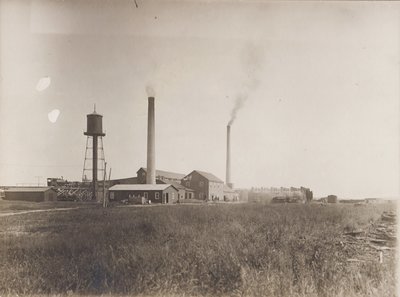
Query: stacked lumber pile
{"type": "Point", "coordinates": [376, 243]}
{"type": "Point", "coordinates": [384, 233]}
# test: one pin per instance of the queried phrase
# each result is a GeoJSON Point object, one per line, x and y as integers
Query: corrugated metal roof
{"type": "Point", "coordinates": [27, 189]}
{"type": "Point", "coordinates": [141, 187]}
{"type": "Point", "coordinates": [209, 176]}
{"type": "Point", "coordinates": [166, 174]}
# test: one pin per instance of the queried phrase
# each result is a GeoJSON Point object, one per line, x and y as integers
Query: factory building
{"type": "Point", "coordinates": [157, 186]}
{"type": "Point", "coordinates": [143, 193]}
{"type": "Point", "coordinates": [34, 194]}
{"type": "Point", "coordinates": [206, 186]}
{"type": "Point", "coordinates": [196, 185]}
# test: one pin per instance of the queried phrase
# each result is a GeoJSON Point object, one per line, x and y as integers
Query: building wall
{"type": "Point", "coordinates": [49, 195]}
{"type": "Point", "coordinates": [231, 196]}
{"type": "Point", "coordinates": [136, 196]}
{"type": "Point", "coordinates": [25, 196]}
{"type": "Point", "coordinates": [189, 195]}
{"type": "Point", "coordinates": [172, 195]}
{"type": "Point", "coordinates": [198, 183]}
{"type": "Point", "coordinates": [153, 195]}
{"type": "Point", "coordinates": [181, 194]}
{"type": "Point", "coordinates": [332, 199]}
{"type": "Point", "coordinates": [216, 191]}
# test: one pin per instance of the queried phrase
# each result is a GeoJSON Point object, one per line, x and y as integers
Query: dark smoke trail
{"type": "Point", "coordinates": [252, 63]}
{"type": "Point", "coordinates": [239, 102]}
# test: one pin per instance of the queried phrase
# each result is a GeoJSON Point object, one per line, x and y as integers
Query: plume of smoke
{"type": "Point", "coordinates": [252, 61]}
{"type": "Point", "coordinates": [150, 91]}
{"type": "Point", "coordinates": [239, 102]}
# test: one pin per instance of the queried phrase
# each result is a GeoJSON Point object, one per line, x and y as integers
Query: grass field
{"type": "Point", "coordinates": [15, 206]}
{"type": "Point", "coordinates": [189, 250]}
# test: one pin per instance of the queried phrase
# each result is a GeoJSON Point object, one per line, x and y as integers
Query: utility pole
{"type": "Point", "coordinates": [104, 184]}
{"type": "Point", "coordinates": [38, 177]}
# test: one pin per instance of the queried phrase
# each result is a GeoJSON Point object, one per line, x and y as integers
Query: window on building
{"type": "Point", "coordinates": [201, 195]}
{"type": "Point", "coordinates": [188, 184]}
{"type": "Point", "coordinates": [157, 195]}
{"type": "Point", "coordinates": [201, 184]}
{"type": "Point", "coordinates": [146, 195]}
{"type": "Point", "coordinates": [173, 195]}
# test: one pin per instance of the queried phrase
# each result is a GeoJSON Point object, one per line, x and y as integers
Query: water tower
{"type": "Point", "coordinates": [94, 133]}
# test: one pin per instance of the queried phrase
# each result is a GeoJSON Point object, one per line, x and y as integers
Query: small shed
{"type": "Point", "coordinates": [332, 199]}
{"type": "Point", "coordinates": [34, 194]}
{"type": "Point", "coordinates": [139, 193]}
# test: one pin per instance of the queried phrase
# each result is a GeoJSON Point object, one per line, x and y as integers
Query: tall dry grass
{"type": "Point", "coordinates": [233, 250]}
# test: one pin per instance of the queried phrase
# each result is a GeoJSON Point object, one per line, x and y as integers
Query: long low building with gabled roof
{"type": "Point", "coordinates": [34, 194]}
{"type": "Point", "coordinates": [143, 193]}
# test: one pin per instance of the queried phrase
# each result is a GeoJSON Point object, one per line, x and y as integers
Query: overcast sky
{"type": "Point", "coordinates": [319, 83]}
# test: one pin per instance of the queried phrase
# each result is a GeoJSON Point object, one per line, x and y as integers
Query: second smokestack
{"type": "Point", "coordinates": [151, 154]}
{"type": "Point", "coordinates": [228, 157]}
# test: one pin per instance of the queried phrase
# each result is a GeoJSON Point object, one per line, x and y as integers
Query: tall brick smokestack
{"type": "Point", "coordinates": [151, 154]}
{"type": "Point", "coordinates": [228, 157]}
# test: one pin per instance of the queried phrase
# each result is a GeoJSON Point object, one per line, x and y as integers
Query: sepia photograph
{"type": "Point", "coordinates": [199, 148]}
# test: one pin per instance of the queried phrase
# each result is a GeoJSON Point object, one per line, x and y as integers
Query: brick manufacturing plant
{"type": "Point", "coordinates": [149, 185]}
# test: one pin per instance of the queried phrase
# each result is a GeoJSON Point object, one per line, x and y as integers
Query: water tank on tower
{"type": "Point", "coordinates": [94, 124]}
{"type": "Point", "coordinates": [94, 133]}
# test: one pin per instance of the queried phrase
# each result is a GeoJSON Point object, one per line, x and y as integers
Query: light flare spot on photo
{"type": "Point", "coordinates": [53, 115]}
